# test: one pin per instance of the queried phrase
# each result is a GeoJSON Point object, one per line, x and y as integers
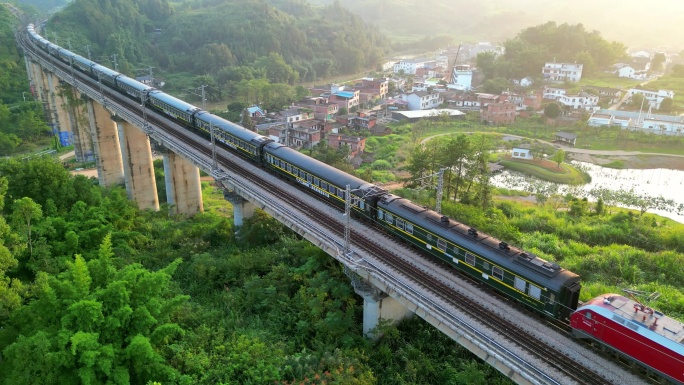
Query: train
{"type": "Point", "coordinates": [542, 286]}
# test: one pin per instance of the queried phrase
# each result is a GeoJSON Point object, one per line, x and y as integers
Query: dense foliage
{"type": "Point", "coordinates": [526, 54]}
{"type": "Point", "coordinates": [237, 46]}
{"type": "Point", "coordinates": [94, 291]}
{"type": "Point", "coordinates": [21, 120]}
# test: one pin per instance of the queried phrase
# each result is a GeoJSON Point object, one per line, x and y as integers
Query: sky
{"type": "Point", "coordinates": [657, 24]}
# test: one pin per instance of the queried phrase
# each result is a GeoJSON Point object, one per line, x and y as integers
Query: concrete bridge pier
{"type": "Point", "coordinates": [242, 208]}
{"type": "Point", "coordinates": [80, 123]}
{"type": "Point", "coordinates": [136, 154]}
{"type": "Point", "coordinates": [60, 116]}
{"type": "Point", "coordinates": [377, 306]}
{"type": "Point", "coordinates": [106, 145]}
{"type": "Point", "coordinates": [183, 186]}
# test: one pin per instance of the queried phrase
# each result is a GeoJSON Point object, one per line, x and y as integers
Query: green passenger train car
{"type": "Point", "coordinates": [540, 285]}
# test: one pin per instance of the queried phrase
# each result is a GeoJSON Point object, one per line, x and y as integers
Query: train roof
{"type": "Point", "coordinates": [105, 71]}
{"type": "Point", "coordinates": [644, 320]}
{"type": "Point", "coordinates": [316, 167]}
{"type": "Point", "coordinates": [232, 128]}
{"type": "Point", "coordinates": [134, 83]}
{"type": "Point", "coordinates": [501, 253]}
{"type": "Point", "coordinates": [175, 102]}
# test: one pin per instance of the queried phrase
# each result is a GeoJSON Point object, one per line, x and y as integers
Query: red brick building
{"type": "Point", "coordinates": [356, 144]}
{"type": "Point", "coordinates": [498, 113]}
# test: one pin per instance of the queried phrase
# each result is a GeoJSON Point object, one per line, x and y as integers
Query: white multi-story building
{"type": "Point", "coordinates": [422, 100]}
{"type": "Point", "coordinates": [654, 98]}
{"type": "Point", "coordinates": [623, 70]}
{"type": "Point", "coordinates": [581, 101]}
{"type": "Point", "coordinates": [409, 66]}
{"type": "Point", "coordinates": [561, 72]}
{"type": "Point", "coordinates": [462, 78]}
{"type": "Point", "coordinates": [553, 93]}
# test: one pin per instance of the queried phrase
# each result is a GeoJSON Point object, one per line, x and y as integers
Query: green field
{"type": "Point", "coordinates": [608, 80]}
{"type": "Point", "coordinates": [670, 83]}
{"type": "Point", "coordinates": [568, 175]}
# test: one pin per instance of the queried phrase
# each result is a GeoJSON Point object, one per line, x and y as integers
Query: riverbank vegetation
{"type": "Point", "coordinates": [563, 174]}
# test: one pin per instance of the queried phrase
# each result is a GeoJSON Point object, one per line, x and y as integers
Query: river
{"type": "Point", "coordinates": [653, 182]}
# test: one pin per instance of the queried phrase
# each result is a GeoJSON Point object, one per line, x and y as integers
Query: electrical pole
{"type": "Point", "coordinates": [440, 190]}
{"type": "Point", "coordinates": [87, 47]}
{"type": "Point", "coordinates": [204, 98]}
{"type": "Point", "coordinates": [347, 223]}
{"type": "Point", "coordinates": [69, 44]}
{"type": "Point", "coordinates": [214, 165]}
{"type": "Point", "coordinates": [116, 65]}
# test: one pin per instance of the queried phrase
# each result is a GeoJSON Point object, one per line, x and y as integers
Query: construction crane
{"type": "Point", "coordinates": [453, 65]}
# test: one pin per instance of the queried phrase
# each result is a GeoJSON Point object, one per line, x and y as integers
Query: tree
{"type": "Point", "coordinates": [486, 64]}
{"type": "Point", "coordinates": [247, 120]}
{"type": "Point", "coordinates": [558, 157]}
{"type": "Point", "coordinates": [552, 110]}
{"type": "Point", "coordinates": [639, 101]}
{"type": "Point", "coordinates": [496, 85]}
{"type": "Point", "coordinates": [657, 62]}
{"type": "Point", "coordinates": [666, 105]}
{"type": "Point", "coordinates": [96, 324]}
{"type": "Point", "coordinates": [25, 214]}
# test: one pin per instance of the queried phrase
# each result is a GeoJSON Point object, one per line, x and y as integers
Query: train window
{"type": "Point", "coordinates": [289, 167]}
{"type": "Point", "coordinates": [519, 284]}
{"type": "Point", "coordinates": [485, 265]}
{"type": "Point", "coordinates": [400, 223]}
{"type": "Point", "coordinates": [381, 214]}
{"type": "Point", "coordinates": [497, 273]}
{"type": "Point", "coordinates": [332, 189]}
{"type": "Point", "coordinates": [309, 178]}
{"type": "Point", "coordinates": [389, 218]}
{"type": "Point", "coordinates": [470, 259]}
{"type": "Point", "coordinates": [441, 244]}
{"type": "Point", "coordinates": [362, 205]}
{"type": "Point", "coordinates": [324, 186]}
{"type": "Point", "coordinates": [534, 292]}
{"type": "Point", "coordinates": [587, 315]}
{"type": "Point", "coordinates": [340, 193]}
{"type": "Point", "coordinates": [409, 228]}
{"type": "Point", "coordinates": [316, 181]}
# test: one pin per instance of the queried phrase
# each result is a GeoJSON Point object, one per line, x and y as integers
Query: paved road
{"type": "Point", "coordinates": [565, 148]}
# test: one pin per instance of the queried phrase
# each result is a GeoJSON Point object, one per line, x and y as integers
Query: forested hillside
{"type": "Point", "coordinates": [230, 40]}
{"type": "Point", "coordinates": [527, 52]}
{"type": "Point", "coordinates": [21, 120]}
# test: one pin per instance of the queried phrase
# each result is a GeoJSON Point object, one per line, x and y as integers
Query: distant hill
{"type": "Point", "coordinates": [633, 22]}
{"type": "Point", "coordinates": [217, 36]}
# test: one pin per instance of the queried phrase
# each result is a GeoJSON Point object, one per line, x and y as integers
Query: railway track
{"type": "Point", "coordinates": [526, 341]}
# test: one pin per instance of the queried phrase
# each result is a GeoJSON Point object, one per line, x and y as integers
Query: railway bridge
{"type": "Point", "coordinates": [120, 134]}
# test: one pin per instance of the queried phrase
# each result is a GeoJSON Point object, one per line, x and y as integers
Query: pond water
{"type": "Point", "coordinates": [652, 182]}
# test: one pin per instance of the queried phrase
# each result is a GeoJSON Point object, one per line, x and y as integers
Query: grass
{"type": "Point", "coordinates": [608, 80]}
{"type": "Point", "coordinates": [568, 175]}
{"type": "Point", "coordinates": [618, 164]}
{"type": "Point", "coordinates": [670, 83]}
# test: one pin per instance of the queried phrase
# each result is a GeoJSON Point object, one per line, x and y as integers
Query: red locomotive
{"type": "Point", "coordinates": [642, 333]}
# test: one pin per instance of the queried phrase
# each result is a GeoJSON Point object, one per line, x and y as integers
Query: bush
{"type": "Point", "coordinates": [381, 165]}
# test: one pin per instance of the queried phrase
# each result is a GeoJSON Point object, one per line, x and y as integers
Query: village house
{"type": "Point", "coordinates": [623, 70]}
{"type": "Point", "coordinates": [356, 143]}
{"type": "Point", "coordinates": [608, 95]}
{"type": "Point", "coordinates": [409, 66]}
{"type": "Point", "coordinates": [344, 98]}
{"type": "Point", "coordinates": [566, 138]}
{"type": "Point", "coordinates": [461, 78]}
{"type": "Point", "coordinates": [422, 100]}
{"type": "Point", "coordinates": [553, 93]}
{"type": "Point", "coordinates": [321, 107]}
{"type": "Point", "coordinates": [654, 98]}
{"type": "Point", "coordinates": [581, 101]}
{"type": "Point", "coordinates": [463, 101]}
{"type": "Point", "coordinates": [562, 72]}
{"type": "Point", "coordinates": [521, 153]}
{"type": "Point", "coordinates": [498, 113]}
